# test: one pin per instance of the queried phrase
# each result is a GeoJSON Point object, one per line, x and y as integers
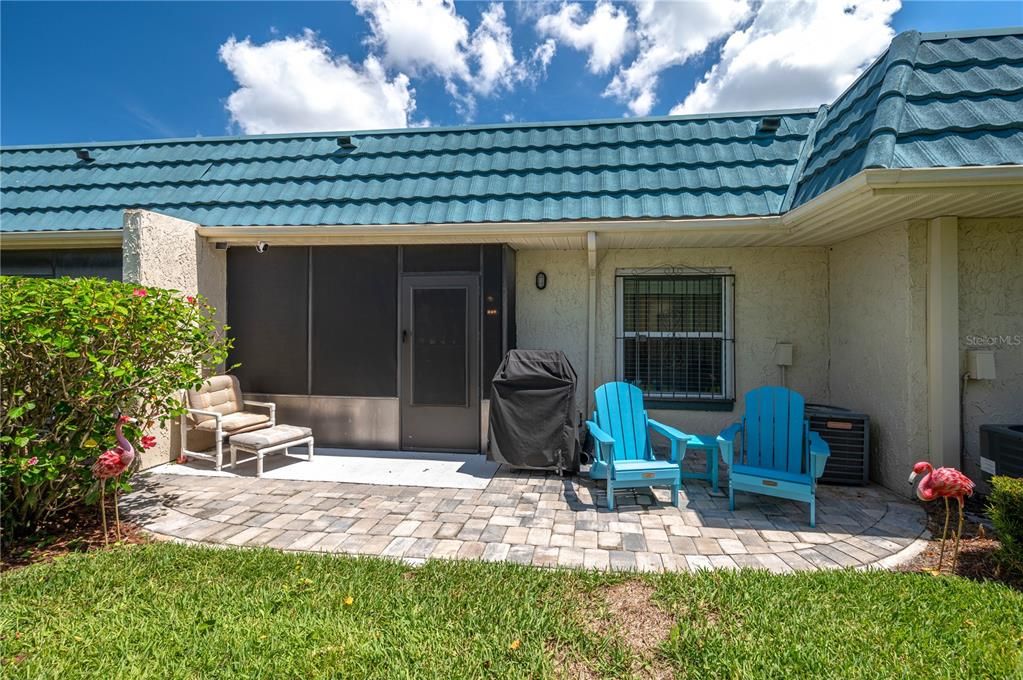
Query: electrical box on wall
{"type": "Point", "coordinates": [783, 354]}
{"type": "Point", "coordinates": [980, 364]}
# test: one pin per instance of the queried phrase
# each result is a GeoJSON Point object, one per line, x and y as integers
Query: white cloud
{"type": "Point", "coordinates": [418, 37]}
{"type": "Point", "coordinates": [669, 34]}
{"type": "Point", "coordinates": [544, 52]}
{"type": "Point", "coordinates": [491, 51]}
{"type": "Point", "coordinates": [605, 33]}
{"type": "Point", "coordinates": [297, 84]}
{"type": "Point", "coordinates": [794, 54]}
{"type": "Point", "coordinates": [429, 37]}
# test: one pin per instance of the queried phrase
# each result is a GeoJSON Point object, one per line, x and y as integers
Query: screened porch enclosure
{"type": "Point", "coordinates": [374, 347]}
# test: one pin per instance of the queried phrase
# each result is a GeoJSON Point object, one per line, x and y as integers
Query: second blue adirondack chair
{"type": "Point", "coordinates": [623, 456]}
{"type": "Point", "coordinates": [778, 455]}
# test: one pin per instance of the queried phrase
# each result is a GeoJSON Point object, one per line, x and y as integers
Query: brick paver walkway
{"type": "Point", "coordinates": [534, 519]}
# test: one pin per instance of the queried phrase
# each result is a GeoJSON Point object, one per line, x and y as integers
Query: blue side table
{"type": "Point", "coordinates": [709, 444]}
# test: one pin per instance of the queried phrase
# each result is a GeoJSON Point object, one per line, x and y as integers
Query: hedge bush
{"type": "Point", "coordinates": [75, 354]}
{"type": "Point", "coordinates": [1005, 507]}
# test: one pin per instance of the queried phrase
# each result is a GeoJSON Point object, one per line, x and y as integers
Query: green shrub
{"type": "Point", "coordinates": [75, 353]}
{"type": "Point", "coordinates": [1006, 511]}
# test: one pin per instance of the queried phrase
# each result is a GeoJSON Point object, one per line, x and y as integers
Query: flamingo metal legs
{"type": "Point", "coordinates": [959, 532]}
{"type": "Point", "coordinates": [944, 536]}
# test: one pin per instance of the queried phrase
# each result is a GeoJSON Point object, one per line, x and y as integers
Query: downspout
{"type": "Point", "coordinates": [591, 320]}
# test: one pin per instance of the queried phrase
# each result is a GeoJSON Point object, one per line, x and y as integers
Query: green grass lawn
{"type": "Point", "coordinates": [169, 611]}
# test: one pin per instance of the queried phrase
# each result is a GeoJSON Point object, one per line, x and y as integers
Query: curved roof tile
{"type": "Point", "coordinates": [941, 100]}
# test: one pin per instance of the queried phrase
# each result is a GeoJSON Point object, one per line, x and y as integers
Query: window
{"type": "Point", "coordinates": [674, 333]}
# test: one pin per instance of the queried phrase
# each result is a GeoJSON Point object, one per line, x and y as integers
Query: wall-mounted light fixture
{"type": "Point", "coordinates": [541, 280]}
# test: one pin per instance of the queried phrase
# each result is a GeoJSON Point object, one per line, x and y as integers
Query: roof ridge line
{"type": "Point", "coordinates": [368, 155]}
{"type": "Point", "coordinates": [449, 129]}
{"type": "Point", "coordinates": [891, 104]}
{"type": "Point", "coordinates": [931, 36]}
{"type": "Point", "coordinates": [803, 158]}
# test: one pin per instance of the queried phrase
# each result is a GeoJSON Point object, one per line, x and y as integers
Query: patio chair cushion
{"type": "Point", "coordinates": [233, 423]}
{"type": "Point", "coordinates": [220, 393]}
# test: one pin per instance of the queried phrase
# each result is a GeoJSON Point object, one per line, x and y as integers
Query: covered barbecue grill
{"type": "Point", "coordinates": [534, 422]}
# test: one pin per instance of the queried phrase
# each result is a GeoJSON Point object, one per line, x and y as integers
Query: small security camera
{"type": "Point", "coordinates": [262, 247]}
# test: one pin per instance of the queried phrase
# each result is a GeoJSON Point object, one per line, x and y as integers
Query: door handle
{"type": "Point", "coordinates": [404, 336]}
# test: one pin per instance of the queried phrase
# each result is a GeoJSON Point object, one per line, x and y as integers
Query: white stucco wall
{"type": "Point", "coordinates": [780, 296]}
{"type": "Point", "coordinates": [878, 343]}
{"type": "Point", "coordinates": [991, 317]}
{"type": "Point", "coordinates": [166, 252]}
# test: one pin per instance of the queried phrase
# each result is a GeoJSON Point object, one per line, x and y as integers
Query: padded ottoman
{"type": "Point", "coordinates": [269, 440]}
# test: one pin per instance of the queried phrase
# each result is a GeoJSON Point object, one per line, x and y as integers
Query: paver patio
{"type": "Point", "coordinates": [532, 518]}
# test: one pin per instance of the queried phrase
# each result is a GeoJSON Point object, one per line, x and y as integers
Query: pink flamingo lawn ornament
{"type": "Point", "coordinates": [112, 463]}
{"type": "Point", "coordinates": [943, 482]}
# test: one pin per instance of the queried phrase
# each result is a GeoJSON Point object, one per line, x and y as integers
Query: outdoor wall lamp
{"type": "Point", "coordinates": [541, 280]}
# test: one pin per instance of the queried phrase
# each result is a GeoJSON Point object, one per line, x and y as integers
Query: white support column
{"type": "Point", "coordinates": [591, 321]}
{"type": "Point", "coordinates": [943, 340]}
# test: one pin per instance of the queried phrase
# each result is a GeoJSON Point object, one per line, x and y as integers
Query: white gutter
{"type": "Point", "coordinates": [499, 230]}
{"type": "Point", "coordinates": [591, 320]}
{"type": "Point", "coordinates": [907, 181]}
{"type": "Point", "coordinates": [95, 238]}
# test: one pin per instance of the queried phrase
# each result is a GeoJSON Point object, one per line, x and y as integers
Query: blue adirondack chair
{"type": "Point", "coordinates": [779, 455]}
{"type": "Point", "coordinates": [623, 456]}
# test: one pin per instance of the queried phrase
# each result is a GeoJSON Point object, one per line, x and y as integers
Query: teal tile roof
{"type": "Point", "coordinates": [930, 100]}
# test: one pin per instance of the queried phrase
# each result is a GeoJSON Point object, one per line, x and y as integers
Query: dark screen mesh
{"type": "Point", "coordinates": [267, 310]}
{"type": "Point", "coordinates": [104, 263]}
{"type": "Point", "coordinates": [440, 347]}
{"type": "Point", "coordinates": [355, 317]}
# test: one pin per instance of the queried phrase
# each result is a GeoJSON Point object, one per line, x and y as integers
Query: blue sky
{"type": "Point", "coordinates": [89, 71]}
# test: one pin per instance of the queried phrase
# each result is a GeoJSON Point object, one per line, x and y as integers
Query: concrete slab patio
{"type": "Point", "coordinates": [532, 518]}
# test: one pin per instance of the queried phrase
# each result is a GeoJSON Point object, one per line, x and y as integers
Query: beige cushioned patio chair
{"type": "Point", "coordinates": [216, 411]}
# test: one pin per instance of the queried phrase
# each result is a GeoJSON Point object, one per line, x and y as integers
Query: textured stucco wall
{"type": "Point", "coordinates": [780, 296]}
{"type": "Point", "coordinates": [991, 317]}
{"type": "Point", "coordinates": [878, 343]}
{"type": "Point", "coordinates": [555, 317]}
{"type": "Point", "coordinates": [166, 252]}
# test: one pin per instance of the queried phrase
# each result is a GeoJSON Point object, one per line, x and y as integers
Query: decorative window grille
{"type": "Point", "coordinates": [675, 337]}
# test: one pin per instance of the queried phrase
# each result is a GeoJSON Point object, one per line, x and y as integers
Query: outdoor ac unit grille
{"type": "Point", "coordinates": [848, 435]}
{"type": "Point", "coordinates": [1001, 450]}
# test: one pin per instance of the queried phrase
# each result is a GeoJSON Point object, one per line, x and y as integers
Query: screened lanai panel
{"type": "Point", "coordinates": [267, 310]}
{"type": "Point", "coordinates": [104, 263]}
{"type": "Point", "coordinates": [355, 319]}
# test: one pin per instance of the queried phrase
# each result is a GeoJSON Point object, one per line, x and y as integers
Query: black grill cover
{"type": "Point", "coordinates": [533, 417]}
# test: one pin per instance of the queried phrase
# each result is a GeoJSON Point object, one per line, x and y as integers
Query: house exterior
{"type": "Point", "coordinates": [373, 280]}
